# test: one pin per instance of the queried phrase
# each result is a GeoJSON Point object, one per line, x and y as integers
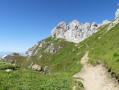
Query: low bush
{"type": "Point", "coordinates": [4, 66]}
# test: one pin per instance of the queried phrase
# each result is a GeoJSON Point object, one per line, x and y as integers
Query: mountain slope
{"type": "Point", "coordinates": [63, 58]}
{"type": "Point", "coordinates": [103, 47]}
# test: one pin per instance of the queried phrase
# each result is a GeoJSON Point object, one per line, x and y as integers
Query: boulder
{"type": "Point", "coordinates": [37, 67]}
{"type": "Point", "coordinates": [46, 69]}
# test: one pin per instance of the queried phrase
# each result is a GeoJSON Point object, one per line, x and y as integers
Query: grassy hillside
{"type": "Point", "coordinates": [33, 80]}
{"type": "Point", "coordinates": [64, 60]}
{"type": "Point", "coordinates": [103, 47]}
{"type": "Point", "coordinates": [63, 64]}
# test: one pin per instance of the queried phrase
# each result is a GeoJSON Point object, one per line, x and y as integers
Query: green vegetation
{"type": "Point", "coordinates": [103, 47]}
{"type": "Point", "coordinates": [107, 49]}
{"type": "Point", "coordinates": [32, 80]}
{"type": "Point", "coordinates": [21, 61]}
{"type": "Point", "coordinates": [64, 60]}
{"type": "Point", "coordinates": [63, 64]}
{"type": "Point", "coordinates": [4, 66]}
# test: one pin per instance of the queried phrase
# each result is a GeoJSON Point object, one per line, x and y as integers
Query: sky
{"type": "Point", "coordinates": [25, 22]}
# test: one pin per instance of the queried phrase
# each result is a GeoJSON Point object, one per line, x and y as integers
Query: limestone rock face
{"type": "Point", "coordinates": [52, 49]}
{"type": "Point", "coordinates": [30, 51]}
{"type": "Point", "coordinates": [105, 22]}
{"type": "Point", "coordinates": [74, 32]}
{"type": "Point", "coordinates": [59, 30]}
{"type": "Point", "coordinates": [117, 12]}
{"type": "Point", "coordinates": [74, 25]}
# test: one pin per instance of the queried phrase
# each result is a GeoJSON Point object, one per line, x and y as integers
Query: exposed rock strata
{"type": "Point", "coordinates": [76, 32]}
{"type": "Point", "coordinates": [117, 12]}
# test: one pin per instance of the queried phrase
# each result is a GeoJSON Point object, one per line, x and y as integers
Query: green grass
{"type": "Point", "coordinates": [107, 49]}
{"type": "Point", "coordinates": [4, 66]}
{"type": "Point", "coordinates": [29, 80]}
{"type": "Point", "coordinates": [103, 47]}
{"type": "Point", "coordinates": [64, 60]}
{"type": "Point", "coordinates": [63, 64]}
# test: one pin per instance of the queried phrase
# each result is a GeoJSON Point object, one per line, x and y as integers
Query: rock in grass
{"type": "Point", "coordinates": [8, 70]}
{"type": "Point", "coordinates": [37, 67]}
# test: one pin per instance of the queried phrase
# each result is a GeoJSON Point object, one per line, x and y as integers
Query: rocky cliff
{"type": "Point", "coordinates": [117, 12]}
{"type": "Point", "coordinates": [76, 32]}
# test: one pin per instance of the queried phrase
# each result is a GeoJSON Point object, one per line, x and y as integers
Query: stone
{"type": "Point", "coordinates": [46, 69]}
{"type": "Point", "coordinates": [42, 43]}
{"type": "Point", "coordinates": [105, 22]}
{"type": "Point", "coordinates": [40, 56]}
{"type": "Point", "coordinates": [4, 57]}
{"type": "Point", "coordinates": [8, 70]}
{"type": "Point", "coordinates": [37, 67]}
{"type": "Point", "coordinates": [30, 65]}
{"type": "Point", "coordinates": [51, 49]}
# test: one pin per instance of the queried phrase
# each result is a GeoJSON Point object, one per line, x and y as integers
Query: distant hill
{"type": "Point", "coordinates": [7, 53]}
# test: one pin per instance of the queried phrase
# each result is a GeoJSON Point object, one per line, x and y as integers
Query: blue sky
{"type": "Point", "coordinates": [25, 22]}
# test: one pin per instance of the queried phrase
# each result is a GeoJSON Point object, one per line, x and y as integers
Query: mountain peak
{"type": "Point", "coordinates": [76, 32]}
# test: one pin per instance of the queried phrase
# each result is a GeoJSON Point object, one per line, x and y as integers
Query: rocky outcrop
{"type": "Point", "coordinates": [113, 23]}
{"type": "Point", "coordinates": [105, 22]}
{"type": "Point", "coordinates": [31, 51]}
{"type": "Point", "coordinates": [4, 57]}
{"type": "Point", "coordinates": [60, 30]}
{"type": "Point", "coordinates": [52, 48]}
{"type": "Point", "coordinates": [116, 21]}
{"type": "Point", "coordinates": [46, 69]}
{"type": "Point", "coordinates": [75, 32]}
{"type": "Point", "coordinates": [42, 44]}
{"type": "Point", "coordinates": [117, 12]}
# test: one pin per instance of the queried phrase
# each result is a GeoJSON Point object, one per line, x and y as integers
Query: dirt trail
{"type": "Point", "coordinates": [95, 77]}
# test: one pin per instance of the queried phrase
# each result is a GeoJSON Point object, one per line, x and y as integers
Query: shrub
{"type": "Point", "coordinates": [117, 60]}
{"type": "Point", "coordinates": [115, 55]}
{"type": "Point", "coordinates": [4, 66]}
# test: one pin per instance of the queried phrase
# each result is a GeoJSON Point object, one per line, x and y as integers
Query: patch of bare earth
{"type": "Point", "coordinates": [95, 77]}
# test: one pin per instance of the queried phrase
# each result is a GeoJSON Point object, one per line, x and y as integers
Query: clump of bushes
{"type": "Point", "coordinates": [117, 60]}
{"type": "Point", "coordinates": [115, 55]}
{"type": "Point", "coordinates": [4, 66]}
